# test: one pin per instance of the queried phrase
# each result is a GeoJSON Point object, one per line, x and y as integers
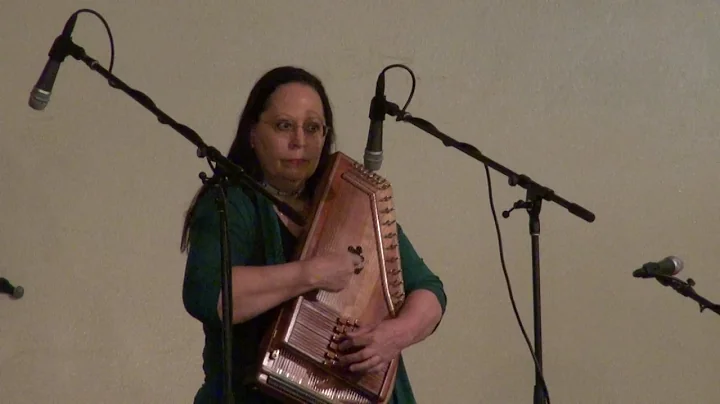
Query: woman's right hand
{"type": "Point", "coordinates": [332, 272]}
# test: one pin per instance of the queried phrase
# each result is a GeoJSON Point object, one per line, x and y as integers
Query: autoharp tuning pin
{"type": "Point", "coordinates": [388, 222]}
{"type": "Point", "coordinates": [391, 259]}
{"type": "Point", "coordinates": [386, 198]}
{"type": "Point", "coordinates": [392, 246]}
{"type": "Point", "coordinates": [387, 210]}
{"type": "Point", "coordinates": [391, 235]}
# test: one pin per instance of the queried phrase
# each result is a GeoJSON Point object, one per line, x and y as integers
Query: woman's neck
{"type": "Point", "coordinates": [294, 199]}
{"type": "Point", "coordinates": [284, 191]}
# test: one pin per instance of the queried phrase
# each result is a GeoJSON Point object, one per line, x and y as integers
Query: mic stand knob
{"type": "Point", "coordinates": [7, 288]}
{"type": "Point", "coordinates": [517, 205]}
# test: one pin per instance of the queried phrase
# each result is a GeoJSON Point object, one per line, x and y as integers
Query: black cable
{"type": "Point", "coordinates": [412, 76]}
{"type": "Point", "coordinates": [107, 28]}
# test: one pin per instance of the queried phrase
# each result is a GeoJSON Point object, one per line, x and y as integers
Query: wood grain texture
{"type": "Point", "coordinates": [353, 208]}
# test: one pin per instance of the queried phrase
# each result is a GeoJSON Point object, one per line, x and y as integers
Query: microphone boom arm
{"type": "Point", "coordinates": [204, 150]}
{"type": "Point", "coordinates": [535, 190]}
{"type": "Point", "coordinates": [686, 289]}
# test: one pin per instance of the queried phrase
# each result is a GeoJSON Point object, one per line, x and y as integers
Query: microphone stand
{"type": "Point", "coordinates": [686, 289]}
{"type": "Point", "coordinates": [226, 173]}
{"type": "Point", "coordinates": [536, 193]}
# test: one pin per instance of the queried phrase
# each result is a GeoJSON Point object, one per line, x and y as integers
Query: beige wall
{"type": "Point", "coordinates": [612, 104]}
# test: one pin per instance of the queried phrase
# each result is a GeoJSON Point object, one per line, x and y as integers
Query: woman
{"type": "Point", "coordinates": [284, 140]}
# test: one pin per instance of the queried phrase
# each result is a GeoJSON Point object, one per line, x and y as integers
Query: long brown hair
{"type": "Point", "coordinates": [242, 154]}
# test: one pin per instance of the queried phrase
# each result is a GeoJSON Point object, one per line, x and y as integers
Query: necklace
{"type": "Point", "coordinates": [290, 198]}
{"type": "Point", "coordinates": [280, 193]}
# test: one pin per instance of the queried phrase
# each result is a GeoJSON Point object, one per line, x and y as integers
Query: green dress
{"type": "Point", "coordinates": [258, 237]}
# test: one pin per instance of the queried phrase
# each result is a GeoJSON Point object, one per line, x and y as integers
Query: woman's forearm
{"type": "Point", "coordinates": [418, 317]}
{"type": "Point", "coordinates": [257, 289]}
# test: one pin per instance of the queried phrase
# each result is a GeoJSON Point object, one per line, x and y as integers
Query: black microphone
{"type": "Point", "coordinates": [668, 266]}
{"type": "Point", "coordinates": [7, 288]}
{"type": "Point", "coordinates": [40, 94]}
{"type": "Point", "coordinates": [373, 150]}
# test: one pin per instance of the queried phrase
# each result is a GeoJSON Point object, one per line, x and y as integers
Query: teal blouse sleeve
{"type": "Point", "coordinates": [201, 286]}
{"type": "Point", "coordinates": [416, 274]}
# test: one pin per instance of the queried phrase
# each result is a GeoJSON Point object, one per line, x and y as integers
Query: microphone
{"type": "Point", "coordinates": [40, 94]}
{"type": "Point", "coordinates": [7, 288]}
{"type": "Point", "coordinates": [373, 150]}
{"type": "Point", "coordinates": [668, 266]}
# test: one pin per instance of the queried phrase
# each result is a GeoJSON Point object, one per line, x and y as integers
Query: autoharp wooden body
{"type": "Point", "coordinates": [352, 209]}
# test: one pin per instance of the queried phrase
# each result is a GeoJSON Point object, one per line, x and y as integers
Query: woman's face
{"type": "Point", "coordinates": [290, 135]}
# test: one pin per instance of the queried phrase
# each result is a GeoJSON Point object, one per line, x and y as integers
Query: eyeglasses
{"type": "Point", "coordinates": [313, 128]}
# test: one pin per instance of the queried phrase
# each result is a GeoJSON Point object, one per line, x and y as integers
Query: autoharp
{"type": "Point", "coordinates": [352, 210]}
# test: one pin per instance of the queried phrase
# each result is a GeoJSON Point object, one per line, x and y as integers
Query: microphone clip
{"type": "Point", "coordinates": [378, 108]}
{"type": "Point", "coordinates": [393, 109]}
{"type": "Point", "coordinates": [62, 47]}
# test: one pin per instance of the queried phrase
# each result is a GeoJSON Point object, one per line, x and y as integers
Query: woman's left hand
{"type": "Point", "coordinates": [368, 349]}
